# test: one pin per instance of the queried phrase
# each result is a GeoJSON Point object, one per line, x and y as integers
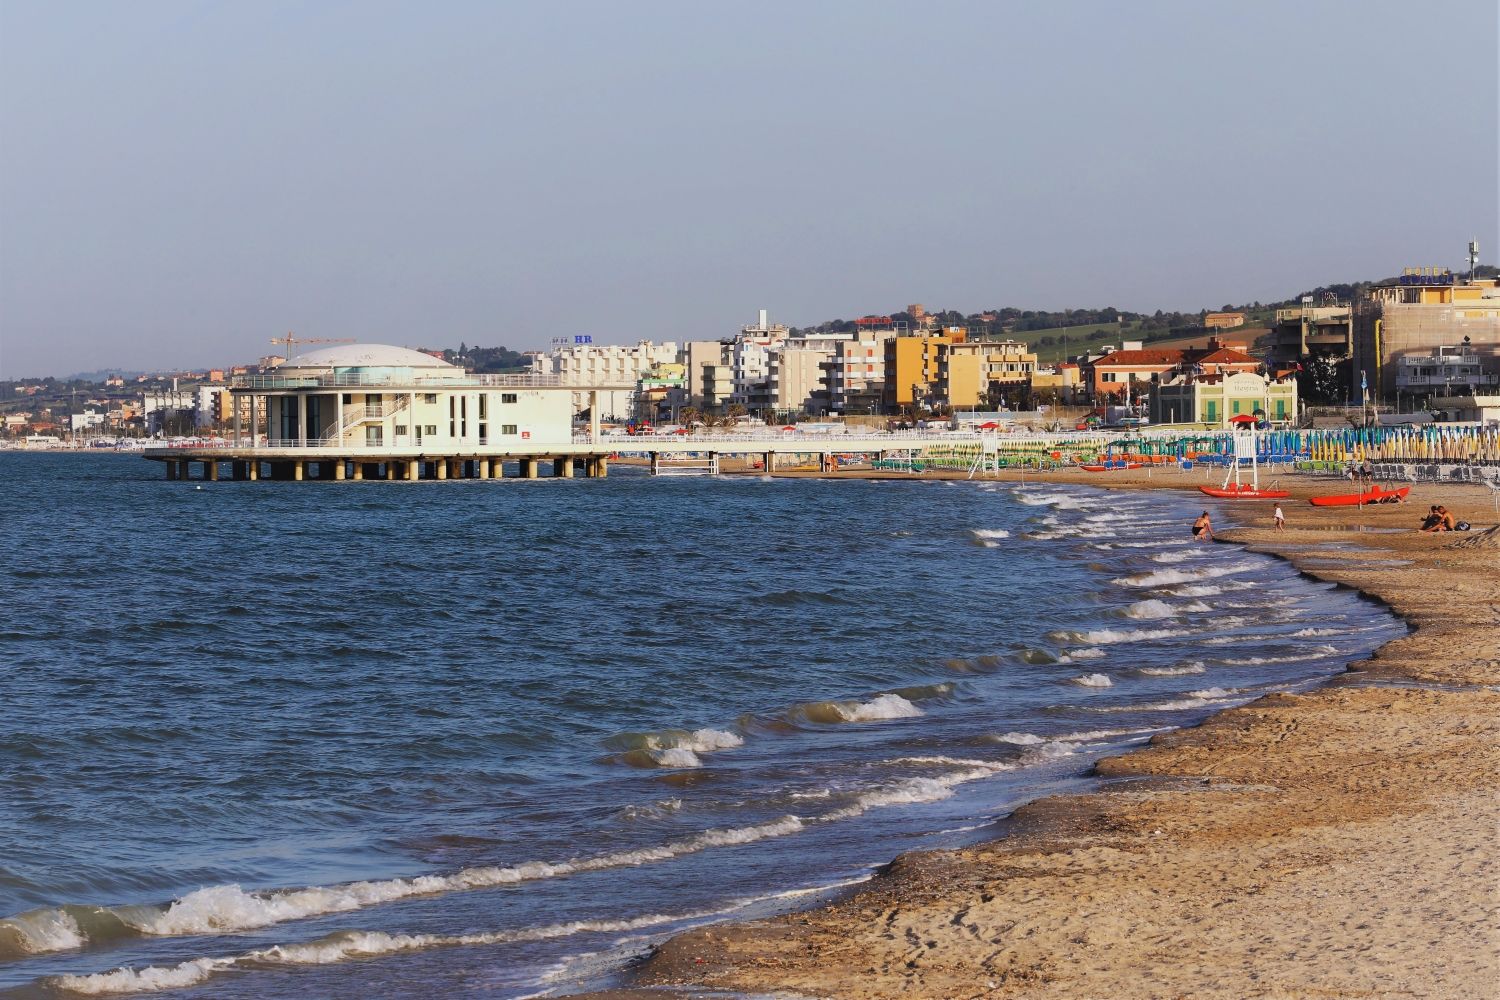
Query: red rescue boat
{"type": "Point", "coordinates": [1373, 495]}
{"type": "Point", "coordinates": [1238, 491]}
{"type": "Point", "coordinates": [1110, 466]}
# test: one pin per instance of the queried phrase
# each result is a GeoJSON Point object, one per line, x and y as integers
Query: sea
{"type": "Point", "coordinates": [276, 740]}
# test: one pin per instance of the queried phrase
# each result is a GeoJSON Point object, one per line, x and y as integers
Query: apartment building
{"type": "Point", "coordinates": [1423, 312]}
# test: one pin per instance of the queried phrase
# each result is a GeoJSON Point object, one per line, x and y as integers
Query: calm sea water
{"type": "Point", "coordinates": [358, 739]}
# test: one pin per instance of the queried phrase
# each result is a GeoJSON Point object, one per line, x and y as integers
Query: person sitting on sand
{"type": "Point", "coordinates": [1439, 520]}
{"type": "Point", "coordinates": [1203, 528]}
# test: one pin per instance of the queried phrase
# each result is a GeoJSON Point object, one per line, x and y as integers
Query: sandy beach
{"type": "Point", "coordinates": [1336, 843]}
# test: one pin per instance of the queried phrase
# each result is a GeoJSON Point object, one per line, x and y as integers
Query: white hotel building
{"type": "Point", "coordinates": [605, 365]}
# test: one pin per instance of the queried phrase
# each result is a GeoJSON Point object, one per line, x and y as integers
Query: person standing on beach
{"type": "Point", "coordinates": [1203, 529]}
{"type": "Point", "coordinates": [1280, 519]}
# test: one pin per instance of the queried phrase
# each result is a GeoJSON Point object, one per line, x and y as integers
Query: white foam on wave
{"type": "Point", "coordinates": [1214, 693]}
{"type": "Point", "coordinates": [1195, 699]}
{"type": "Point", "coordinates": [1073, 740]}
{"type": "Point", "coordinates": [914, 791]}
{"type": "Point", "coordinates": [1106, 636]}
{"type": "Point", "coordinates": [225, 908]}
{"type": "Point", "coordinates": [676, 757]}
{"type": "Point", "coordinates": [1211, 589]}
{"type": "Point", "coordinates": [1105, 734]}
{"type": "Point", "coordinates": [1316, 653]}
{"type": "Point", "coordinates": [1039, 499]}
{"type": "Point", "coordinates": [704, 740]}
{"type": "Point", "coordinates": [1086, 653]}
{"type": "Point", "coordinates": [1313, 633]}
{"type": "Point", "coordinates": [1092, 680]}
{"type": "Point", "coordinates": [1195, 667]}
{"type": "Point", "coordinates": [37, 932]}
{"type": "Point", "coordinates": [1177, 557]}
{"type": "Point", "coordinates": [676, 748]}
{"type": "Point", "coordinates": [1149, 610]}
{"type": "Point", "coordinates": [348, 945]}
{"type": "Point", "coordinates": [1165, 577]}
{"type": "Point", "coordinates": [990, 533]}
{"type": "Point", "coordinates": [886, 706]}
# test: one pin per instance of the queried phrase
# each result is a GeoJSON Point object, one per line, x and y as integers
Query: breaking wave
{"type": "Point", "coordinates": [1315, 653]}
{"type": "Point", "coordinates": [987, 536]}
{"type": "Point", "coordinates": [1106, 636]}
{"type": "Point", "coordinates": [885, 706]}
{"type": "Point", "coordinates": [228, 908]}
{"type": "Point", "coordinates": [677, 748]}
{"type": "Point", "coordinates": [1195, 667]}
{"type": "Point", "coordinates": [347, 945]}
{"type": "Point", "coordinates": [1092, 680]}
{"type": "Point", "coordinates": [1164, 577]}
{"type": "Point", "coordinates": [1148, 610]}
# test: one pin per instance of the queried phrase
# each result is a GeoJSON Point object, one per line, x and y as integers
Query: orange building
{"type": "Point", "coordinates": [912, 368]}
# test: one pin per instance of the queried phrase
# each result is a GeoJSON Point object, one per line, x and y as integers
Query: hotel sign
{"type": "Point", "coordinates": [1426, 276]}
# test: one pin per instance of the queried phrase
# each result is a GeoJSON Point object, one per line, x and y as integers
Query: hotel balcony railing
{"type": "Point", "coordinates": [1451, 381]}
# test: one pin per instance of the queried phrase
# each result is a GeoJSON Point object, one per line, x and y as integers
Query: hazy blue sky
{"type": "Point", "coordinates": [179, 182]}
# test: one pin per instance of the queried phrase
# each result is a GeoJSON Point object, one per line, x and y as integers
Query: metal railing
{"type": "Point", "coordinates": [354, 380]}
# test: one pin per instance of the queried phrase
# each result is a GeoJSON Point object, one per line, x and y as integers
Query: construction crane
{"type": "Point", "coordinates": [289, 340]}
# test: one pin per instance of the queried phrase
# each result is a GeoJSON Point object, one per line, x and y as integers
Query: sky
{"type": "Point", "coordinates": [180, 182]}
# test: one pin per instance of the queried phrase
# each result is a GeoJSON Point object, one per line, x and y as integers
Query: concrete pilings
{"type": "Point", "coordinates": [324, 469]}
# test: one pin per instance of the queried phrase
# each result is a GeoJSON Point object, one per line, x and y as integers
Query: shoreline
{"type": "Point", "coordinates": [1336, 842]}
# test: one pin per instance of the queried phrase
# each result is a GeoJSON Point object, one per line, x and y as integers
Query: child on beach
{"type": "Point", "coordinates": [1203, 529]}
{"type": "Point", "coordinates": [1280, 519]}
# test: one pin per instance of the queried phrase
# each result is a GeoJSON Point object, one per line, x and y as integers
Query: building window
{"type": "Point", "coordinates": [507, 428]}
{"type": "Point", "coordinates": [400, 430]}
{"type": "Point", "coordinates": [348, 398]}
{"type": "Point", "coordinates": [429, 397]}
{"type": "Point", "coordinates": [507, 397]}
{"type": "Point", "coordinates": [432, 430]}
{"type": "Point", "coordinates": [484, 409]}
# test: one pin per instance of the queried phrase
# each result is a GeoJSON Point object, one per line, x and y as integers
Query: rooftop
{"type": "Point", "coordinates": [366, 356]}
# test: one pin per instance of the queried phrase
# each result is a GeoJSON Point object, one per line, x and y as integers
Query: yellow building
{"type": "Point", "coordinates": [912, 368]}
{"type": "Point", "coordinates": [1215, 399]}
{"type": "Point", "coordinates": [1223, 320]}
{"type": "Point", "coordinates": [960, 381]}
{"type": "Point", "coordinates": [1058, 384]}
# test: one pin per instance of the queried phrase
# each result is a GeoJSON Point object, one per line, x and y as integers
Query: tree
{"type": "Point", "coordinates": [1318, 381]}
{"type": "Point", "coordinates": [732, 413]}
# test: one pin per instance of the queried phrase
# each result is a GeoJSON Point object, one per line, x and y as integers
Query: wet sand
{"type": "Point", "coordinates": [1337, 843]}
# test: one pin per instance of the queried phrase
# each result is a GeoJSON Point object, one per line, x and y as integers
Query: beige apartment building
{"type": "Point", "coordinates": [1425, 311]}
